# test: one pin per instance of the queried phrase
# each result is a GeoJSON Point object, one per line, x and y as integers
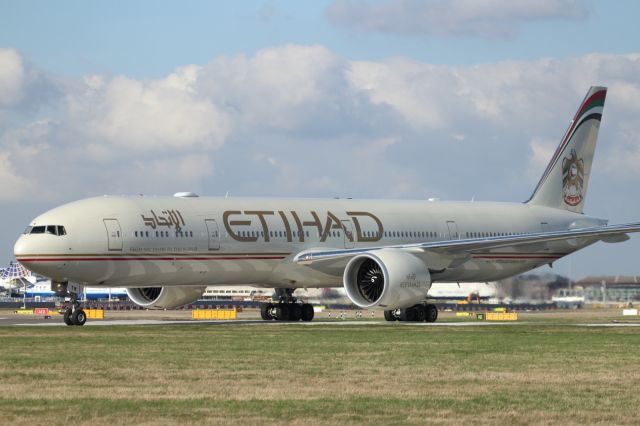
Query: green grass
{"type": "Point", "coordinates": [282, 374]}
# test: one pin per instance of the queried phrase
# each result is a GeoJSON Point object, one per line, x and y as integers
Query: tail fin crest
{"type": "Point", "coordinates": [564, 182]}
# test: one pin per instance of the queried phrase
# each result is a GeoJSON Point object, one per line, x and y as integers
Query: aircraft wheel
{"type": "Point", "coordinates": [265, 311]}
{"type": "Point", "coordinates": [79, 317]}
{"type": "Point", "coordinates": [420, 313]}
{"type": "Point", "coordinates": [407, 314]}
{"type": "Point", "coordinates": [307, 312]}
{"type": "Point", "coordinates": [388, 315]}
{"type": "Point", "coordinates": [282, 312]}
{"type": "Point", "coordinates": [295, 312]}
{"type": "Point", "coordinates": [67, 316]}
{"type": "Point", "coordinates": [432, 313]}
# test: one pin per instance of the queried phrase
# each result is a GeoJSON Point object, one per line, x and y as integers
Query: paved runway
{"type": "Point", "coordinates": [56, 321]}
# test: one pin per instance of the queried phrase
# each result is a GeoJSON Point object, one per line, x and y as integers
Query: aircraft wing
{"type": "Point", "coordinates": [450, 250]}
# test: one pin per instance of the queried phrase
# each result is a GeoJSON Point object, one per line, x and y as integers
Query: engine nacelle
{"type": "Point", "coordinates": [389, 278]}
{"type": "Point", "coordinates": [164, 297]}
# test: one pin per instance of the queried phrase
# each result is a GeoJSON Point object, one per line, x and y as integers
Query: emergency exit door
{"type": "Point", "coordinates": [453, 230]}
{"type": "Point", "coordinates": [114, 234]}
{"type": "Point", "coordinates": [214, 234]}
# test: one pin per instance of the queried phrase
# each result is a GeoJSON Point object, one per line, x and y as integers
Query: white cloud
{"type": "Point", "coordinates": [13, 186]}
{"type": "Point", "coordinates": [301, 120]}
{"type": "Point", "coordinates": [138, 115]}
{"type": "Point", "coordinates": [11, 77]}
{"type": "Point", "coordinates": [542, 152]}
{"type": "Point", "coordinates": [488, 19]}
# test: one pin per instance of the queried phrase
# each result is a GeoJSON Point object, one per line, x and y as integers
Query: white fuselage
{"type": "Point", "coordinates": [196, 241]}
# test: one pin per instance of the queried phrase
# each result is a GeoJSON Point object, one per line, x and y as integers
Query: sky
{"type": "Point", "coordinates": [452, 99]}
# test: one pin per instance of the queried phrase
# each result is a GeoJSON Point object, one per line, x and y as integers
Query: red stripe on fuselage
{"type": "Point", "coordinates": [83, 259]}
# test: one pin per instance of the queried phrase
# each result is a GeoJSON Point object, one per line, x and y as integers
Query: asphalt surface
{"type": "Point", "coordinates": [11, 319]}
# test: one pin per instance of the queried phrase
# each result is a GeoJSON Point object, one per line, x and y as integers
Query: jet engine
{"type": "Point", "coordinates": [164, 297]}
{"type": "Point", "coordinates": [389, 278]}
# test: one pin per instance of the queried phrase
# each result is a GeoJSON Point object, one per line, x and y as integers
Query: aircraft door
{"type": "Point", "coordinates": [114, 234]}
{"type": "Point", "coordinates": [453, 230]}
{"type": "Point", "coordinates": [349, 239]}
{"type": "Point", "coordinates": [214, 234]}
{"type": "Point", "coordinates": [544, 226]}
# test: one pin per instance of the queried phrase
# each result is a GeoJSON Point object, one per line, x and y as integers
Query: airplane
{"type": "Point", "coordinates": [386, 253]}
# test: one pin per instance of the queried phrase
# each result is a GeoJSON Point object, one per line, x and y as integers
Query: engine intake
{"type": "Point", "coordinates": [164, 297]}
{"type": "Point", "coordinates": [389, 278]}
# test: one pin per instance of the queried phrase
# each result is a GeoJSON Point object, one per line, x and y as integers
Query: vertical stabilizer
{"type": "Point", "coordinates": [564, 183]}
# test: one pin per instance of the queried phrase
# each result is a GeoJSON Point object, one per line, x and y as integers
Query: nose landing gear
{"type": "Point", "coordinates": [73, 315]}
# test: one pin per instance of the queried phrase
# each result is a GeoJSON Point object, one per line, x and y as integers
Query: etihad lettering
{"type": "Point", "coordinates": [168, 218]}
{"type": "Point", "coordinates": [368, 228]}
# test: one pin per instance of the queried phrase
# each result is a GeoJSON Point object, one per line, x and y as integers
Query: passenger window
{"type": "Point", "coordinates": [146, 234]}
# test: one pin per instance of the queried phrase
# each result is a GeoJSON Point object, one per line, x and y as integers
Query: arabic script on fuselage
{"type": "Point", "coordinates": [167, 218]}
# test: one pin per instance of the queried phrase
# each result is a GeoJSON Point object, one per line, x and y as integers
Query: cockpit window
{"type": "Point", "coordinates": [28, 230]}
{"type": "Point", "coordinates": [48, 229]}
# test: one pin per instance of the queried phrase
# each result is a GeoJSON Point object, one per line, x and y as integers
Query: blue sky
{"type": "Point", "coordinates": [150, 38]}
{"type": "Point", "coordinates": [157, 97]}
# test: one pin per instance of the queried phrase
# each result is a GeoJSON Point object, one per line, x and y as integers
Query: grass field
{"type": "Point", "coordinates": [543, 372]}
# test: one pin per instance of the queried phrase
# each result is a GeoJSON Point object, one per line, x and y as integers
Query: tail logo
{"type": "Point", "coordinates": [572, 179]}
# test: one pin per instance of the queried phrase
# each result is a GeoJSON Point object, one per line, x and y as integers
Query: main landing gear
{"type": "Point", "coordinates": [73, 315]}
{"type": "Point", "coordinates": [286, 308]}
{"type": "Point", "coordinates": [415, 313]}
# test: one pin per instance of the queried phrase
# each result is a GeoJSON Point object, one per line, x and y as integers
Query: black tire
{"type": "Point", "coordinates": [432, 313]}
{"type": "Point", "coordinates": [295, 312]}
{"type": "Point", "coordinates": [421, 313]}
{"type": "Point", "coordinates": [79, 317]}
{"type": "Point", "coordinates": [407, 314]}
{"type": "Point", "coordinates": [67, 316]}
{"type": "Point", "coordinates": [282, 312]}
{"type": "Point", "coordinates": [307, 312]}
{"type": "Point", "coordinates": [265, 311]}
{"type": "Point", "coordinates": [388, 315]}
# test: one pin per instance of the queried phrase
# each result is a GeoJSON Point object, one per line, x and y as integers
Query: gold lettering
{"type": "Point", "coordinates": [315, 222]}
{"type": "Point", "coordinates": [377, 235]}
{"type": "Point", "coordinates": [261, 214]}
{"type": "Point", "coordinates": [287, 228]}
{"type": "Point", "coordinates": [299, 225]}
{"type": "Point", "coordinates": [229, 223]}
{"type": "Point", "coordinates": [332, 223]}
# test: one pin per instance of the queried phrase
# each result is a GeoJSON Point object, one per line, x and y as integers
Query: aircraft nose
{"type": "Point", "coordinates": [21, 247]}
